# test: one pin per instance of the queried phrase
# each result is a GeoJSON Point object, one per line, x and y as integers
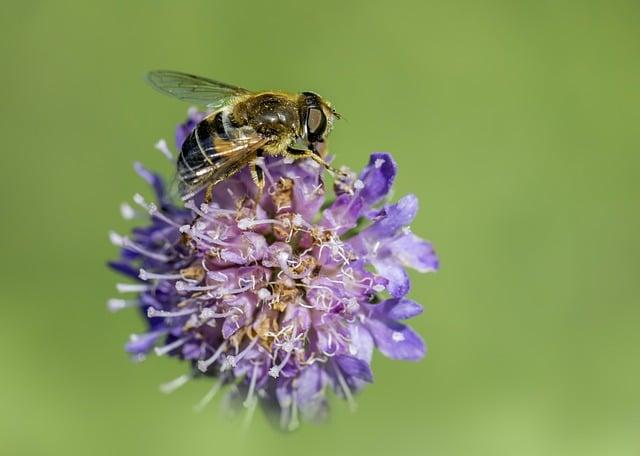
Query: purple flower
{"type": "Point", "coordinates": [277, 299]}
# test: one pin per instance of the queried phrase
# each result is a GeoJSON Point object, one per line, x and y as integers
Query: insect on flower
{"type": "Point", "coordinates": [243, 127]}
{"type": "Point", "coordinates": [278, 298]}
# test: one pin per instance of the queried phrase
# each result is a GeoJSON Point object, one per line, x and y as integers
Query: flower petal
{"type": "Point", "coordinates": [397, 309]}
{"type": "Point", "coordinates": [377, 177]}
{"type": "Point", "coordinates": [343, 213]}
{"type": "Point", "coordinates": [309, 393]}
{"type": "Point", "coordinates": [141, 344]}
{"type": "Point", "coordinates": [361, 343]}
{"type": "Point", "coordinates": [396, 340]}
{"type": "Point", "coordinates": [397, 216]}
{"type": "Point", "coordinates": [414, 252]}
{"type": "Point", "coordinates": [398, 279]}
{"type": "Point", "coordinates": [354, 367]}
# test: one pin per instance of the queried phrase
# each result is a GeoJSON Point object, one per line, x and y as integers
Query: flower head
{"type": "Point", "coordinates": [282, 296]}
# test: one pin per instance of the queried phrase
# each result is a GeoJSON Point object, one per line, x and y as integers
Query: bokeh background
{"type": "Point", "coordinates": [515, 123]}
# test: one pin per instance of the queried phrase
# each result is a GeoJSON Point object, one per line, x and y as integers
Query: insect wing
{"type": "Point", "coordinates": [193, 89]}
{"type": "Point", "coordinates": [230, 156]}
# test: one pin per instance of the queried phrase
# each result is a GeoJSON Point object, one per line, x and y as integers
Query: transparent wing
{"type": "Point", "coordinates": [194, 89]}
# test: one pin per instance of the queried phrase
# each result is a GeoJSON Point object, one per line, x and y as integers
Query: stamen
{"type": "Point", "coordinates": [160, 351]}
{"type": "Point", "coordinates": [115, 305]}
{"type": "Point", "coordinates": [156, 333]}
{"type": "Point", "coordinates": [221, 291]}
{"type": "Point", "coordinates": [116, 239]}
{"type": "Point", "coordinates": [127, 212]}
{"type": "Point", "coordinates": [283, 261]}
{"type": "Point", "coordinates": [246, 223]}
{"type": "Point", "coordinates": [164, 149]}
{"type": "Point", "coordinates": [232, 361]}
{"type": "Point", "coordinates": [294, 422]}
{"type": "Point", "coordinates": [154, 313]}
{"type": "Point", "coordinates": [208, 313]}
{"type": "Point", "coordinates": [264, 294]}
{"type": "Point", "coordinates": [379, 162]}
{"type": "Point", "coordinates": [275, 370]}
{"type": "Point", "coordinates": [252, 385]}
{"type": "Point", "coordinates": [174, 384]}
{"type": "Point", "coordinates": [249, 416]}
{"type": "Point", "coordinates": [345, 388]}
{"type": "Point", "coordinates": [146, 275]}
{"type": "Point", "coordinates": [153, 210]}
{"type": "Point", "coordinates": [352, 304]}
{"type": "Point", "coordinates": [201, 236]}
{"type": "Point", "coordinates": [208, 212]}
{"type": "Point", "coordinates": [122, 241]}
{"type": "Point", "coordinates": [203, 364]}
{"type": "Point", "coordinates": [132, 287]}
{"type": "Point", "coordinates": [209, 396]}
{"type": "Point", "coordinates": [140, 201]}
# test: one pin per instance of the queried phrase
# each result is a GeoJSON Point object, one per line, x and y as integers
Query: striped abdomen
{"type": "Point", "coordinates": [198, 152]}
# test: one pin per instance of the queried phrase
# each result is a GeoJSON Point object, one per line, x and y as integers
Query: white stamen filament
{"type": "Point", "coordinates": [160, 351]}
{"type": "Point", "coordinates": [146, 275]}
{"type": "Point", "coordinates": [294, 422]}
{"type": "Point", "coordinates": [345, 389]}
{"type": "Point", "coordinates": [127, 212]}
{"type": "Point", "coordinates": [156, 333]}
{"type": "Point", "coordinates": [203, 237]}
{"type": "Point", "coordinates": [116, 239]}
{"type": "Point", "coordinates": [264, 294]}
{"type": "Point", "coordinates": [275, 370]}
{"type": "Point", "coordinates": [153, 313]}
{"type": "Point", "coordinates": [164, 149]}
{"type": "Point", "coordinates": [209, 396]}
{"type": "Point", "coordinates": [252, 385]}
{"type": "Point", "coordinates": [174, 384]}
{"type": "Point", "coordinates": [122, 241]}
{"type": "Point", "coordinates": [246, 422]}
{"type": "Point", "coordinates": [115, 304]}
{"type": "Point", "coordinates": [208, 212]}
{"type": "Point", "coordinates": [246, 223]}
{"type": "Point", "coordinates": [208, 313]}
{"type": "Point", "coordinates": [221, 291]}
{"type": "Point", "coordinates": [232, 361]}
{"type": "Point", "coordinates": [154, 212]}
{"type": "Point", "coordinates": [203, 364]}
{"type": "Point", "coordinates": [132, 287]}
{"type": "Point", "coordinates": [283, 261]}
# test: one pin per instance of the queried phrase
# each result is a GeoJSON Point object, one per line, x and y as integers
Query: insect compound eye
{"type": "Point", "coordinates": [316, 123]}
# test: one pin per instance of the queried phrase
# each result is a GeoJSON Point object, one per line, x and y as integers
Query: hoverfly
{"type": "Point", "coordinates": [243, 126]}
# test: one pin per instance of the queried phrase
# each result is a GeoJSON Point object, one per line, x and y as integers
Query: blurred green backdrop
{"type": "Point", "coordinates": [516, 124]}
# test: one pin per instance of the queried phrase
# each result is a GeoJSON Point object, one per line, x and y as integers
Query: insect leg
{"type": "Point", "coordinates": [208, 194]}
{"type": "Point", "coordinates": [257, 175]}
{"type": "Point", "coordinates": [297, 153]}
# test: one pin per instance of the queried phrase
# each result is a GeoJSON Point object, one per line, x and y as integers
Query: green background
{"type": "Point", "coordinates": [515, 123]}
